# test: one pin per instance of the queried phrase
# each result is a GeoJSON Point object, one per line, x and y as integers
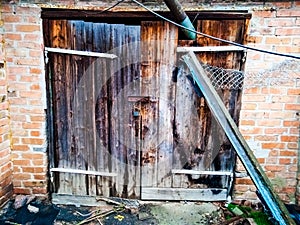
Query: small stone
{"type": "Point", "coordinates": [20, 201]}
{"type": "Point", "coordinates": [33, 209]}
{"type": "Point", "coordinates": [143, 215]}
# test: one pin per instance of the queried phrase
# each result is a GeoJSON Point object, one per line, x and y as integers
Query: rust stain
{"type": "Point", "coordinates": [149, 157]}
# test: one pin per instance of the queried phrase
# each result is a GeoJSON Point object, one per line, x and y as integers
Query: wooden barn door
{"type": "Point", "coordinates": [130, 123]}
{"type": "Point", "coordinates": [93, 146]}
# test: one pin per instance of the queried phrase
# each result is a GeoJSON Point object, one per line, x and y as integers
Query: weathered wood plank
{"type": "Point", "coordinates": [86, 172]}
{"type": "Point", "coordinates": [220, 173]}
{"type": "Point", "coordinates": [159, 41]}
{"type": "Point", "coordinates": [83, 53]}
{"type": "Point", "coordinates": [189, 194]}
{"type": "Point", "coordinates": [210, 49]}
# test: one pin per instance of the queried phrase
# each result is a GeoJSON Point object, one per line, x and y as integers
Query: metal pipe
{"type": "Point", "coordinates": [181, 18]}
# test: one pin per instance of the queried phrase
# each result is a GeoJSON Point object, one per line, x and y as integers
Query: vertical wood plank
{"type": "Point", "coordinates": [159, 40]}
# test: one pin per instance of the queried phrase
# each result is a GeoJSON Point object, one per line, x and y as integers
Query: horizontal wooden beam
{"type": "Point", "coordinates": [190, 194]}
{"type": "Point", "coordinates": [197, 172]}
{"type": "Point", "coordinates": [210, 49]}
{"type": "Point", "coordinates": [86, 172]}
{"type": "Point", "coordinates": [136, 16]}
{"type": "Point", "coordinates": [84, 53]}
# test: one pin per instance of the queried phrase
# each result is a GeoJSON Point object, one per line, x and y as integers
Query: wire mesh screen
{"type": "Point", "coordinates": [224, 78]}
{"type": "Point", "coordinates": [282, 74]}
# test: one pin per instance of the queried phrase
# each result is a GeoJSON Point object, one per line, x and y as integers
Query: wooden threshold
{"type": "Point", "coordinates": [86, 172]}
{"type": "Point", "coordinates": [180, 194]}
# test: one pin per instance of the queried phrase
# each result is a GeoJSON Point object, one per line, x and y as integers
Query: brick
{"type": "Point", "coordinates": [273, 145]}
{"type": "Point", "coordinates": [287, 153]}
{"type": "Point", "coordinates": [271, 161]}
{"type": "Point", "coordinates": [272, 90]}
{"type": "Point", "coordinates": [243, 181]}
{"type": "Point", "coordinates": [287, 31]}
{"type": "Point", "coordinates": [34, 183]}
{"type": "Point", "coordinates": [266, 138]}
{"type": "Point", "coordinates": [39, 191]}
{"type": "Point", "coordinates": [30, 94]}
{"type": "Point", "coordinates": [29, 45]}
{"type": "Point", "coordinates": [251, 130]}
{"type": "Point", "coordinates": [288, 49]}
{"type": "Point", "coordinates": [12, 36]}
{"type": "Point", "coordinates": [254, 98]}
{"type": "Point", "coordinates": [27, 28]}
{"type": "Point", "coordinates": [34, 156]}
{"type": "Point", "coordinates": [21, 162]}
{"type": "Point", "coordinates": [285, 161]}
{"type": "Point", "coordinates": [288, 13]}
{"type": "Point", "coordinates": [35, 133]}
{"type": "Point", "coordinates": [281, 22]}
{"type": "Point", "coordinates": [289, 138]}
{"type": "Point", "coordinates": [281, 115]}
{"type": "Point", "coordinates": [276, 168]}
{"type": "Point", "coordinates": [37, 118]}
{"type": "Point", "coordinates": [292, 107]}
{"type": "Point", "coordinates": [274, 152]}
{"type": "Point", "coordinates": [35, 70]}
{"type": "Point", "coordinates": [296, 41]}
{"type": "Point", "coordinates": [32, 125]}
{"type": "Point", "coordinates": [268, 123]}
{"type": "Point", "coordinates": [293, 91]}
{"type": "Point", "coordinates": [12, 19]}
{"type": "Point", "coordinates": [22, 176]}
{"type": "Point", "coordinates": [247, 122]}
{"type": "Point", "coordinates": [270, 106]}
{"type": "Point", "coordinates": [31, 36]}
{"type": "Point", "coordinates": [264, 14]}
{"type": "Point", "coordinates": [278, 40]}
{"type": "Point", "coordinates": [35, 87]}
{"type": "Point", "coordinates": [21, 190]}
{"type": "Point", "coordinates": [29, 61]}
{"type": "Point", "coordinates": [292, 145]}
{"type": "Point", "coordinates": [254, 90]}
{"type": "Point", "coordinates": [39, 177]}
{"type": "Point", "coordinates": [35, 54]}
{"type": "Point", "coordinates": [20, 147]}
{"type": "Point", "coordinates": [34, 169]}
{"type": "Point", "coordinates": [293, 123]}
{"type": "Point", "coordinates": [38, 162]}
{"type": "Point", "coordinates": [293, 168]}
{"type": "Point", "coordinates": [294, 131]}
{"type": "Point", "coordinates": [261, 160]}
{"type": "Point", "coordinates": [276, 130]}
{"type": "Point", "coordinates": [33, 141]}
{"type": "Point", "coordinates": [249, 106]}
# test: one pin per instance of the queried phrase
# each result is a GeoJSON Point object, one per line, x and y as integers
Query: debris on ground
{"type": "Point", "coordinates": [28, 210]}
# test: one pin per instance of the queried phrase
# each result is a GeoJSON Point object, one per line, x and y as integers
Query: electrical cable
{"type": "Point", "coordinates": [215, 38]}
{"type": "Point", "coordinates": [111, 7]}
{"type": "Point", "coordinates": [104, 10]}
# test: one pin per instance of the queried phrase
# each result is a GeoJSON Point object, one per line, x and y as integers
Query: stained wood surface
{"type": "Point", "coordinates": [137, 115]}
{"type": "Point", "coordinates": [159, 42]}
{"type": "Point", "coordinates": [88, 102]}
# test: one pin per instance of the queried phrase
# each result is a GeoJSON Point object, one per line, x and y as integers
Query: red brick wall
{"type": "Point", "coordinates": [269, 119]}
{"type": "Point", "coordinates": [271, 100]}
{"type": "Point", "coordinates": [25, 73]}
{"type": "Point", "coordinates": [5, 162]}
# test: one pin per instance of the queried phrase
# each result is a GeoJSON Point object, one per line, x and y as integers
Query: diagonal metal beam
{"type": "Point", "coordinates": [258, 176]}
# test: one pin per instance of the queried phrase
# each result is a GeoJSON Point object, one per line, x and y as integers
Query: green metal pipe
{"type": "Point", "coordinates": [181, 18]}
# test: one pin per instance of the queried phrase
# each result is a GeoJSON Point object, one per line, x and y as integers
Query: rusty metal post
{"type": "Point", "coordinates": [181, 18]}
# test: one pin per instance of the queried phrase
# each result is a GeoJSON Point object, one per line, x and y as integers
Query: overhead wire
{"type": "Point", "coordinates": [215, 38]}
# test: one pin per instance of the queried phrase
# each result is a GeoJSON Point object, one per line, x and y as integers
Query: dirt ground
{"type": "Point", "coordinates": [26, 210]}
